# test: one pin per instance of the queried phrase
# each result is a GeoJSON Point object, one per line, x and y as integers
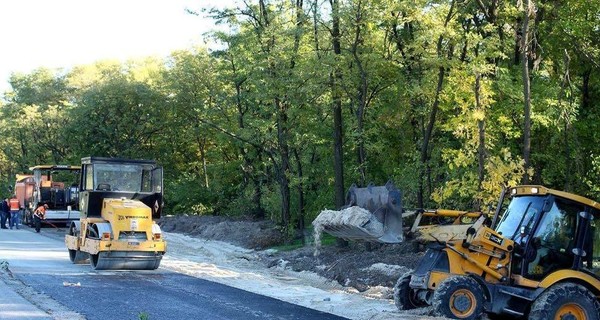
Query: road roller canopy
{"type": "Point", "coordinates": [112, 174]}
{"type": "Point", "coordinates": [103, 178]}
{"type": "Point", "coordinates": [55, 167]}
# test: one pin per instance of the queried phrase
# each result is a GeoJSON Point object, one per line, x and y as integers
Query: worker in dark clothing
{"type": "Point", "coordinates": [4, 213]}
{"type": "Point", "coordinates": [38, 215]}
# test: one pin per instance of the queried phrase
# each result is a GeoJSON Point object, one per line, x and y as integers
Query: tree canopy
{"type": "Point", "coordinates": [451, 100]}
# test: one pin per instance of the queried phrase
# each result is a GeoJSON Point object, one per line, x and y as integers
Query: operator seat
{"type": "Point", "coordinates": [103, 187]}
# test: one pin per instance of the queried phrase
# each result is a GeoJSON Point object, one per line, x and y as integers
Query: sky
{"type": "Point", "coordinates": [67, 33]}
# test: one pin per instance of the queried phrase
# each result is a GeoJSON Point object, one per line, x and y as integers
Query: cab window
{"type": "Point", "coordinates": [592, 262]}
{"type": "Point", "coordinates": [89, 177]}
{"type": "Point", "coordinates": [552, 243]}
{"type": "Point", "coordinates": [519, 217]}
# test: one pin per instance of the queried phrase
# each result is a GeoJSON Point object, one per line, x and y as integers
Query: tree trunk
{"type": "Point", "coordinates": [297, 36]}
{"type": "Point", "coordinates": [338, 154]}
{"type": "Point", "coordinates": [361, 100]}
{"type": "Point", "coordinates": [586, 98]}
{"type": "Point", "coordinates": [248, 168]}
{"type": "Point", "coordinates": [284, 183]}
{"type": "Point", "coordinates": [429, 131]}
{"type": "Point", "coordinates": [566, 85]}
{"type": "Point", "coordinates": [202, 148]}
{"type": "Point", "coordinates": [426, 172]}
{"type": "Point", "coordinates": [481, 150]}
{"type": "Point", "coordinates": [258, 212]}
{"type": "Point", "coordinates": [336, 79]}
{"type": "Point", "coordinates": [526, 88]}
{"type": "Point", "coordinates": [301, 202]}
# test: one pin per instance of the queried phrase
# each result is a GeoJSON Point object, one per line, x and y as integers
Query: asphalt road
{"type": "Point", "coordinates": [41, 261]}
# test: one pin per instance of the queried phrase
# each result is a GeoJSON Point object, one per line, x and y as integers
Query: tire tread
{"type": "Point", "coordinates": [544, 306]}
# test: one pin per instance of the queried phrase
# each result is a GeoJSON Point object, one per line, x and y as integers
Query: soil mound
{"type": "Point", "coordinates": [245, 233]}
{"type": "Point", "coordinates": [360, 265]}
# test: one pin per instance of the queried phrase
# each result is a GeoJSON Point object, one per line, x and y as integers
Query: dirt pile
{"type": "Point", "coordinates": [245, 233]}
{"type": "Point", "coordinates": [352, 217]}
{"type": "Point", "coordinates": [358, 265]}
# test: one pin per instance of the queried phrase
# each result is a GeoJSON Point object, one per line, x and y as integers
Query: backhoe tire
{"type": "Point", "coordinates": [404, 295]}
{"type": "Point", "coordinates": [565, 301]}
{"type": "Point", "coordinates": [458, 297]}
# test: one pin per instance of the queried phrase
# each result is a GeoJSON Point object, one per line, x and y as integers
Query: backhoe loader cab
{"type": "Point", "coordinates": [540, 258]}
{"type": "Point", "coordinates": [119, 200]}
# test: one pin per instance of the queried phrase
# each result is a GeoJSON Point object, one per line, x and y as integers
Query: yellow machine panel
{"type": "Point", "coordinates": [127, 216]}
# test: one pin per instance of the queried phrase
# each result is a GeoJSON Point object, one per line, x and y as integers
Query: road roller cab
{"type": "Point", "coordinates": [538, 258]}
{"type": "Point", "coordinates": [119, 201]}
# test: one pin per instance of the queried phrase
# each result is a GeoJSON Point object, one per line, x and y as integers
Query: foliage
{"type": "Point", "coordinates": [431, 95]}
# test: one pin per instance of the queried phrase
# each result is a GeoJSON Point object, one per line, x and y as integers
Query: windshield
{"type": "Point", "coordinates": [121, 177]}
{"type": "Point", "coordinates": [521, 213]}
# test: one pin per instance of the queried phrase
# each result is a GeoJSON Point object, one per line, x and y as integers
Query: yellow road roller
{"type": "Point", "coordinates": [119, 201]}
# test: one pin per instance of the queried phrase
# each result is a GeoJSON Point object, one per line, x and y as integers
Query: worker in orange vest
{"type": "Point", "coordinates": [38, 215]}
{"type": "Point", "coordinates": [15, 210]}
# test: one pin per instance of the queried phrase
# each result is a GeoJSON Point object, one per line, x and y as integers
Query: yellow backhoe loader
{"type": "Point", "coordinates": [375, 214]}
{"type": "Point", "coordinates": [119, 200]}
{"type": "Point", "coordinates": [539, 257]}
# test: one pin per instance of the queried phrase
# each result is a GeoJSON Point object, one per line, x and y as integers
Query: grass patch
{"type": "Point", "coordinates": [326, 240]}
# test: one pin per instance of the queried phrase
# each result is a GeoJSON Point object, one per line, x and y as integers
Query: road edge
{"type": "Point", "coordinates": [34, 300]}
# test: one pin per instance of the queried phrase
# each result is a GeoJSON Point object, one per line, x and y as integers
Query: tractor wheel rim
{"type": "Point", "coordinates": [462, 303]}
{"type": "Point", "coordinates": [571, 311]}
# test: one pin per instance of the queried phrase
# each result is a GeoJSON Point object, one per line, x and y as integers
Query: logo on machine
{"type": "Point", "coordinates": [131, 217]}
{"type": "Point", "coordinates": [493, 238]}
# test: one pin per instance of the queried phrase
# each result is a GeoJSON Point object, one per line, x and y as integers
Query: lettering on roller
{"type": "Point", "coordinates": [132, 217]}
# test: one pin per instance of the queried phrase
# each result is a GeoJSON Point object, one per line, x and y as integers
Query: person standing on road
{"type": "Point", "coordinates": [3, 213]}
{"type": "Point", "coordinates": [38, 215]}
{"type": "Point", "coordinates": [7, 212]}
{"type": "Point", "coordinates": [15, 210]}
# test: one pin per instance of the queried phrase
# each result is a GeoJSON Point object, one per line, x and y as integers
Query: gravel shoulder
{"type": "Point", "coordinates": [354, 281]}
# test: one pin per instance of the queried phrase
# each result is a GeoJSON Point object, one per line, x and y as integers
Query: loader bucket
{"type": "Point", "coordinates": [371, 214]}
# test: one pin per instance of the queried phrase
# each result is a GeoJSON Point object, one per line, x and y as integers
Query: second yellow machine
{"type": "Point", "coordinates": [119, 201]}
{"type": "Point", "coordinates": [539, 258]}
